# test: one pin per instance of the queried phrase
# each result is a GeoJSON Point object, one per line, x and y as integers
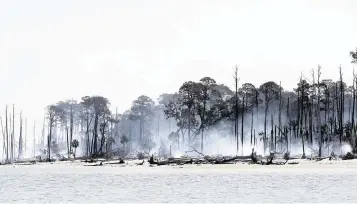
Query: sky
{"type": "Point", "coordinates": [57, 50]}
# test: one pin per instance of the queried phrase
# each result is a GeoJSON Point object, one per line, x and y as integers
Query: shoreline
{"type": "Point", "coordinates": [131, 166]}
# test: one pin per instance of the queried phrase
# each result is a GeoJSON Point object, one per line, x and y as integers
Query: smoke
{"type": "Point", "coordinates": [219, 140]}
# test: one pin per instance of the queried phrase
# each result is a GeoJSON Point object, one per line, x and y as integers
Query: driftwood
{"type": "Point", "coordinates": [253, 158]}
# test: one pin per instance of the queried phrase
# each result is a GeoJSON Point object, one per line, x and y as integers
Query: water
{"type": "Point", "coordinates": [208, 184]}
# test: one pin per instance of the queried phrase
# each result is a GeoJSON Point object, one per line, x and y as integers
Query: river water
{"type": "Point", "coordinates": [143, 184]}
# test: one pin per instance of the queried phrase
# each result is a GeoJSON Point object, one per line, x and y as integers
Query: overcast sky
{"type": "Point", "coordinates": [54, 50]}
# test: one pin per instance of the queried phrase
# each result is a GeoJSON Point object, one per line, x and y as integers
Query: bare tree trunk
{"type": "Point", "coordinates": [34, 139]}
{"type": "Point", "coordinates": [25, 153]}
{"type": "Point", "coordinates": [236, 108]}
{"type": "Point", "coordinates": [289, 121]}
{"type": "Point", "coordinates": [4, 138]}
{"type": "Point", "coordinates": [87, 133]}
{"type": "Point", "coordinates": [279, 118]}
{"type": "Point", "coordinates": [342, 104]}
{"type": "Point", "coordinates": [43, 132]}
{"type": "Point", "coordinates": [13, 134]}
{"type": "Point", "coordinates": [265, 126]}
{"type": "Point", "coordinates": [242, 135]}
{"type": "Point", "coordinates": [68, 143]}
{"type": "Point", "coordinates": [353, 132]}
{"type": "Point", "coordinates": [11, 139]}
{"type": "Point", "coordinates": [158, 127]}
{"type": "Point", "coordinates": [95, 133]}
{"type": "Point", "coordinates": [19, 156]}
{"type": "Point", "coordinates": [49, 141]}
{"type": "Point", "coordinates": [141, 130]}
{"type": "Point", "coordinates": [319, 134]}
{"type": "Point", "coordinates": [272, 133]}
{"type": "Point", "coordinates": [7, 136]}
{"type": "Point", "coordinates": [310, 124]}
{"type": "Point", "coordinates": [337, 108]}
{"type": "Point", "coordinates": [251, 130]}
{"type": "Point", "coordinates": [70, 129]}
{"type": "Point", "coordinates": [202, 124]}
{"type": "Point", "coordinates": [275, 135]}
{"type": "Point", "coordinates": [189, 127]}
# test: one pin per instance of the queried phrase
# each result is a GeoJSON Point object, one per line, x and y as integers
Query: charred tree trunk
{"type": "Point", "coordinates": [68, 143]}
{"type": "Point", "coordinates": [272, 133]}
{"type": "Point", "coordinates": [279, 118]}
{"type": "Point", "coordinates": [236, 109]}
{"type": "Point", "coordinates": [202, 123]}
{"type": "Point", "coordinates": [19, 156]}
{"type": "Point", "coordinates": [289, 122]}
{"type": "Point", "coordinates": [275, 139]}
{"type": "Point", "coordinates": [70, 130]}
{"type": "Point", "coordinates": [87, 134]}
{"type": "Point", "coordinates": [251, 130]}
{"type": "Point", "coordinates": [342, 104]}
{"type": "Point", "coordinates": [95, 131]}
{"type": "Point", "coordinates": [25, 153]}
{"type": "Point", "coordinates": [34, 139]}
{"type": "Point", "coordinates": [242, 125]}
{"type": "Point", "coordinates": [319, 133]}
{"type": "Point", "coordinates": [13, 134]}
{"type": "Point", "coordinates": [7, 136]}
{"type": "Point", "coordinates": [310, 124]}
{"type": "Point", "coordinates": [49, 141]}
{"type": "Point", "coordinates": [265, 126]}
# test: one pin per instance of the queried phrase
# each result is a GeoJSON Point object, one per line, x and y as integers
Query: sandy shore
{"type": "Point", "coordinates": [132, 167]}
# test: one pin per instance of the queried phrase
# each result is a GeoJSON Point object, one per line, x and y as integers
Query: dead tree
{"type": "Point", "coordinates": [7, 135]}
{"type": "Point", "coordinates": [236, 108]}
{"type": "Point", "coordinates": [20, 139]}
{"type": "Point", "coordinates": [279, 117]}
{"type": "Point", "coordinates": [251, 130]}
{"type": "Point", "coordinates": [13, 134]}
{"type": "Point", "coordinates": [242, 125]}
{"type": "Point", "coordinates": [319, 133]}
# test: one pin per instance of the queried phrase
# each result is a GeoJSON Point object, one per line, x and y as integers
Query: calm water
{"type": "Point", "coordinates": [78, 184]}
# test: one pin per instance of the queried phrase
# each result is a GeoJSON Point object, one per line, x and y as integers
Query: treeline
{"type": "Point", "coordinates": [317, 113]}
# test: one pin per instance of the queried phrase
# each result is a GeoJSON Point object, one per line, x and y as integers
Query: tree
{"type": "Point", "coordinates": [353, 54]}
{"type": "Point", "coordinates": [270, 91]}
{"type": "Point", "coordinates": [354, 61]}
{"type": "Point", "coordinates": [53, 114]}
{"type": "Point", "coordinates": [304, 104]}
{"type": "Point", "coordinates": [142, 110]}
{"type": "Point", "coordinates": [205, 89]}
{"type": "Point", "coordinates": [71, 110]}
{"type": "Point", "coordinates": [188, 92]}
{"type": "Point", "coordinates": [124, 140]}
{"type": "Point", "coordinates": [319, 131]}
{"type": "Point", "coordinates": [248, 93]}
{"type": "Point", "coordinates": [97, 107]}
{"type": "Point", "coordinates": [75, 144]}
{"type": "Point", "coordinates": [177, 110]}
{"type": "Point", "coordinates": [235, 99]}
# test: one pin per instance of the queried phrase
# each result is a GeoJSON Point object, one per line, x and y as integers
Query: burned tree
{"type": "Point", "coordinates": [53, 115]}
{"type": "Point", "coordinates": [270, 91]}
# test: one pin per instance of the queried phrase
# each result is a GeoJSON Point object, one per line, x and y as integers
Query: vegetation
{"type": "Point", "coordinates": [318, 113]}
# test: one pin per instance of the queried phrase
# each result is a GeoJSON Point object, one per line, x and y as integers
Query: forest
{"type": "Point", "coordinates": [318, 116]}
